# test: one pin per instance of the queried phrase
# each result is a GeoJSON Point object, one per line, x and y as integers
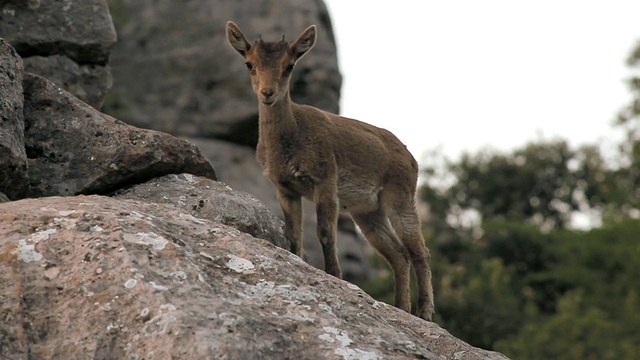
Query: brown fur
{"type": "Point", "coordinates": [340, 164]}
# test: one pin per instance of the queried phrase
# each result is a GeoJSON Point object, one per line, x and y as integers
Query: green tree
{"type": "Point", "coordinates": [597, 312]}
{"type": "Point", "coordinates": [563, 294]}
{"type": "Point", "coordinates": [515, 278]}
{"type": "Point", "coordinates": [479, 304]}
{"type": "Point", "coordinates": [541, 183]}
{"type": "Point", "coordinates": [481, 297]}
{"type": "Point", "coordinates": [631, 113]}
{"type": "Point", "coordinates": [622, 191]}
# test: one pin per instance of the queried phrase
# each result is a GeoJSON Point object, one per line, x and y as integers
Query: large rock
{"type": "Point", "coordinates": [75, 35]}
{"type": "Point", "coordinates": [87, 82]}
{"type": "Point", "coordinates": [174, 71]}
{"type": "Point", "coordinates": [208, 199]}
{"type": "Point", "coordinates": [74, 149]}
{"type": "Point", "coordinates": [237, 165]}
{"type": "Point", "coordinates": [95, 277]}
{"type": "Point", "coordinates": [13, 158]}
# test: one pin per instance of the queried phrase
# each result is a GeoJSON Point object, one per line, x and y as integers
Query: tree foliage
{"type": "Point", "coordinates": [597, 313]}
{"type": "Point", "coordinates": [625, 180]}
{"type": "Point", "coordinates": [532, 294]}
{"type": "Point", "coordinates": [542, 183]}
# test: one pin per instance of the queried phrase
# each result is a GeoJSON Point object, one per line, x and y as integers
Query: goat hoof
{"type": "Point", "coordinates": [425, 313]}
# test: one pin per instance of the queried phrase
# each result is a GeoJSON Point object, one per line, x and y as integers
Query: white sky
{"type": "Point", "coordinates": [462, 75]}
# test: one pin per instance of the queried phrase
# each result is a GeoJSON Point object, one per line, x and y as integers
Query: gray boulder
{"type": "Point", "coordinates": [75, 149]}
{"type": "Point", "coordinates": [77, 36]}
{"type": "Point", "coordinates": [174, 71]}
{"type": "Point", "coordinates": [92, 277]}
{"type": "Point", "coordinates": [88, 83]}
{"type": "Point", "coordinates": [13, 158]}
{"type": "Point", "coordinates": [208, 199]}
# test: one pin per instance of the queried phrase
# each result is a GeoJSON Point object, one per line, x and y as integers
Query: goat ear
{"type": "Point", "coordinates": [237, 39]}
{"type": "Point", "coordinates": [305, 42]}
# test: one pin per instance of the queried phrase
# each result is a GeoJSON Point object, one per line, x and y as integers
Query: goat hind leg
{"type": "Point", "coordinates": [407, 226]}
{"type": "Point", "coordinates": [376, 228]}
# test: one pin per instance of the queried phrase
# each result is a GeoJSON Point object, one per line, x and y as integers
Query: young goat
{"type": "Point", "coordinates": [341, 164]}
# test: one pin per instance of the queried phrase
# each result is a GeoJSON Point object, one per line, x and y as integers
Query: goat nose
{"type": "Point", "coordinates": [267, 92]}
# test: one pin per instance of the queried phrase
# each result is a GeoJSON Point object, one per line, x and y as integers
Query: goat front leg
{"type": "Point", "coordinates": [292, 210]}
{"type": "Point", "coordinates": [326, 200]}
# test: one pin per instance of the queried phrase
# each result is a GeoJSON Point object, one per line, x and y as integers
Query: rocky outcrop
{"type": "Point", "coordinates": [87, 82]}
{"type": "Point", "coordinates": [174, 71]}
{"type": "Point", "coordinates": [66, 41]}
{"type": "Point", "coordinates": [208, 199]}
{"type": "Point", "coordinates": [96, 277]}
{"type": "Point", "coordinates": [75, 149]}
{"type": "Point", "coordinates": [13, 158]}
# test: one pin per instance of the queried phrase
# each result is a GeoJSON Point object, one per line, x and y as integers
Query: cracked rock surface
{"type": "Point", "coordinates": [97, 277]}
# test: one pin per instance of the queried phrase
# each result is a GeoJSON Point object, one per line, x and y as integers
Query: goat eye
{"type": "Point", "coordinates": [289, 68]}
{"type": "Point", "coordinates": [249, 65]}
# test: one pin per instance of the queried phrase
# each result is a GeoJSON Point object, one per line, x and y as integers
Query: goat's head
{"type": "Point", "coordinates": [270, 63]}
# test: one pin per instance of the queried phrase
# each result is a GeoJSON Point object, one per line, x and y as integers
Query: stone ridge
{"type": "Point", "coordinates": [97, 277]}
